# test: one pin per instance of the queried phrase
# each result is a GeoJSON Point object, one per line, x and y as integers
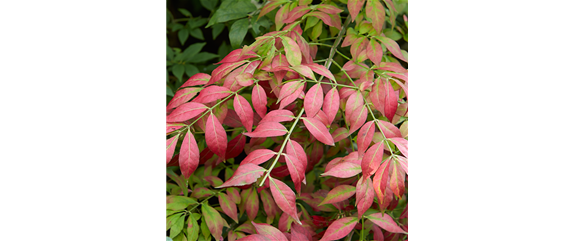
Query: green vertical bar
{"type": "Point", "coordinates": [490, 113]}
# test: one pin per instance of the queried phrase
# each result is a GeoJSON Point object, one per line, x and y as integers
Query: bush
{"type": "Point", "coordinates": [272, 145]}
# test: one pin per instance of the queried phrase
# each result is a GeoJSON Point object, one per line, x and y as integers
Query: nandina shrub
{"type": "Point", "coordinates": [273, 146]}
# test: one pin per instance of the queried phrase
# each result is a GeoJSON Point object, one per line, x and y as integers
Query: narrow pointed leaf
{"type": "Point", "coordinates": [284, 197]}
{"type": "Point", "coordinates": [377, 95]}
{"type": "Point", "coordinates": [393, 47]}
{"type": "Point", "coordinates": [295, 149]}
{"type": "Point", "coordinates": [215, 136]}
{"type": "Point", "coordinates": [292, 51]}
{"type": "Point", "coordinates": [376, 12]}
{"type": "Point", "coordinates": [186, 111]}
{"type": "Point", "coordinates": [192, 228]}
{"type": "Point", "coordinates": [313, 100]}
{"type": "Point", "coordinates": [390, 100]}
{"type": "Point", "coordinates": [372, 159]}
{"type": "Point", "coordinates": [305, 71]}
{"type": "Point", "coordinates": [318, 130]}
{"type": "Point", "coordinates": [340, 228]}
{"type": "Point", "coordinates": [375, 51]}
{"type": "Point", "coordinates": [322, 70]}
{"type": "Point", "coordinates": [365, 196]}
{"type": "Point", "coordinates": [212, 93]}
{"type": "Point", "coordinates": [402, 144]}
{"type": "Point", "coordinates": [386, 222]}
{"type": "Point", "coordinates": [380, 180]}
{"type": "Point", "coordinates": [389, 129]}
{"type": "Point", "coordinates": [358, 118]}
{"type": "Point", "coordinates": [296, 13]}
{"type": "Point", "coordinates": [229, 207]}
{"type": "Point", "coordinates": [222, 70]}
{"type": "Point", "coordinates": [365, 136]}
{"type": "Point", "coordinates": [269, 231]}
{"type": "Point", "coordinates": [278, 116]}
{"type": "Point", "coordinates": [213, 220]}
{"type": "Point", "coordinates": [331, 104]}
{"type": "Point", "coordinates": [182, 96]}
{"type": "Point", "coordinates": [397, 177]}
{"type": "Point", "coordinates": [344, 170]}
{"type": "Point", "coordinates": [258, 156]}
{"type": "Point", "coordinates": [244, 111]}
{"type": "Point", "coordinates": [196, 79]}
{"type": "Point", "coordinates": [188, 155]}
{"type": "Point", "coordinates": [252, 204]}
{"type": "Point", "coordinates": [404, 163]}
{"type": "Point", "coordinates": [170, 147]}
{"type": "Point", "coordinates": [244, 175]}
{"type": "Point", "coordinates": [292, 97]}
{"type": "Point", "coordinates": [339, 194]}
{"type": "Point", "coordinates": [259, 99]}
{"type": "Point", "coordinates": [298, 233]}
{"type": "Point", "coordinates": [296, 171]}
{"type": "Point", "coordinates": [254, 237]}
{"type": "Point", "coordinates": [268, 129]}
{"type": "Point", "coordinates": [288, 89]}
{"type": "Point", "coordinates": [355, 7]}
{"type": "Point", "coordinates": [269, 205]}
{"type": "Point", "coordinates": [235, 146]}
{"type": "Point", "coordinates": [330, 9]}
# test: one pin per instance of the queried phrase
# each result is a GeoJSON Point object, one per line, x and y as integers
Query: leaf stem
{"type": "Point", "coordinates": [282, 146]}
{"type": "Point", "coordinates": [205, 200]}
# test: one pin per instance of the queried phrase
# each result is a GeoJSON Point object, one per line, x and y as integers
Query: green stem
{"type": "Point", "coordinates": [282, 146]}
{"type": "Point", "coordinates": [205, 200]}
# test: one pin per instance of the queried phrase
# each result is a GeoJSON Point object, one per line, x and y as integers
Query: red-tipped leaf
{"type": "Point", "coordinates": [386, 222]}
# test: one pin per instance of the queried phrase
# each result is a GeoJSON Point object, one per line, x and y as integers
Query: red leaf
{"type": "Point", "coordinates": [325, 18]}
{"type": "Point", "coordinates": [196, 79]}
{"type": "Point", "coordinates": [390, 100]}
{"type": "Point", "coordinates": [402, 144]}
{"type": "Point", "coordinates": [296, 170]}
{"type": "Point", "coordinates": [365, 137]}
{"type": "Point", "coordinates": [313, 100]}
{"type": "Point", "coordinates": [255, 237]}
{"type": "Point", "coordinates": [365, 195]}
{"type": "Point", "coordinates": [235, 147]}
{"type": "Point", "coordinates": [228, 207]}
{"type": "Point", "coordinates": [378, 233]}
{"type": "Point", "coordinates": [372, 159]}
{"type": "Point", "coordinates": [355, 7]}
{"type": "Point", "coordinates": [358, 46]}
{"type": "Point", "coordinates": [339, 134]}
{"type": "Point", "coordinates": [385, 222]}
{"type": "Point", "coordinates": [269, 204]}
{"type": "Point", "coordinates": [213, 220]}
{"type": "Point", "coordinates": [268, 8]}
{"type": "Point", "coordinates": [375, 51]}
{"type": "Point", "coordinates": [186, 111]}
{"type": "Point", "coordinates": [292, 97]}
{"type": "Point", "coordinates": [318, 130]}
{"type": "Point", "coordinates": [389, 129]}
{"type": "Point", "coordinates": [259, 99]}
{"type": "Point", "coordinates": [296, 13]}
{"type": "Point", "coordinates": [222, 70]}
{"type": "Point", "coordinates": [305, 71]}
{"type": "Point", "coordinates": [258, 156]}
{"type": "Point", "coordinates": [269, 231]}
{"type": "Point", "coordinates": [376, 12]}
{"type": "Point", "coordinates": [188, 155]}
{"type": "Point", "coordinates": [244, 111]}
{"type": "Point", "coordinates": [235, 56]}
{"type": "Point", "coordinates": [170, 147]}
{"type": "Point", "coordinates": [182, 96]}
{"type": "Point", "coordinates": [215, 137]}
{"type": "Point", "coordinates": [288, 89]}
{"type": "Point", "coordinates": [341, 227]}
{"type": "Point", "coordinates": [404, 163]}
{"type": "Point", "coordinates": [232, 119]}
{"type": "Point", "coordinates": [171, 127]}
{"type": "Point", "coordinates": [278, 116]}
{"type": "Point", "coordinates": [330, 9]}
{"type": "Point", "coordinates": [244, 175]}
{"type": "Point", "coordinates": [380, 180]}
{"type": "Point", "coordinates": [339, 194]}
{"type": "Point", "coordinates": [268, 129]}
{"type": "Point", "coordinates": [331, 104]}
{"type": "Point", "coordinates": [299, 233]}
{"type": "Point", "coordinates": [284, 197]}
{"type": "Point", "coordinates": [377, 95]}
{"type": "Point", "coordinates": [292, 51]}
{"type": "Point", "coordinates": [322, 70]}
{"type": "Point", "coordinates": [212, 93]}
{"type": "Point", "coordinates": [344, 170]}
{"type": "Point", "coordinates": [397, 179]}
{"type": "Point", "coordinates": [393, 47]}
{"type": "Point", "coordinates": [295, 149]}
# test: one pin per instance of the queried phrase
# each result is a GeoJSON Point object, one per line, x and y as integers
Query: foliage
{"type": "Point", "coordinates": [272, 145]}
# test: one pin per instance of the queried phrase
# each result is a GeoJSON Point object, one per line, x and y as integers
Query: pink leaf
{"type": "Point", "coordinates": [259, 99]}
{"type": "Point", "coordinates": [305, 71]}
{"type": "Point", "coordinates": [269, 231]}
{"type": "Point", "coordinates": [212, 93]}
{"type": "Point", "coordinates": [344, 170]}
{"type": "Point", "coordinates": [365, 195]}
{"type": "Point", "coordinates": [299, 233]}
{"type": "Point", "coordinates": [284, 197]}
{"type": "Point", "coordinates": [235, 147]}
{"type": "Point", "coordinates": [278, 116]}
{"type": "Point", "coordinates": [341, 227]}
{"type": "Point", "coordinates": [389, 129]}
{"type": "Point", "coordinates": [228, 207]}
{"type": "Point", "coordinates": [331, 104]}
{"type": "Point", "coordinates": [404, 163]}
{"type": "Point", "coordinates": [215, 137]}
{"type": "Point", "coordinates": [380, 180]}
{"type": "Point", "coordinates": [318, 130]}
{"type": "Point", "coordinates": [322, 70]}
{"type": "Point", "coordinates": [296, 170]}
{"type": "Point", "coordinates": [235, 56]}
{"type": "Point", "coordinates": [244, 175]}
{"type": "Point", "coordinates": [292, 97]}
{"type": "Point", "coordinates": [292, 51]}
{"type": "Point", "coordinates": [295, 149]}
{"type": "Point", "coordinates": [196, 79]}
{"type": "Point", "coordinates": [170, 147]}
{"type": "Point", "coordinates": [254, 237]}
{"type": "Point", "coordinates": [355, 7]}
{"type": "Point", "coordinates": [313, 100]}
{"type": "Point", "coordinates": [358, 118]}
{"type": "Point", "coordinates": [188, 155]}
{"type": "Point", "coordinates": [186, 111]}
{"type": "Point", "coordinates": [296, 13]}
{"type": "Point", "coordinates": [268, 129]}
{"type": "Point", "coordinates": [213, 220]}
{"type": "Point", "coordinates": [330, 9]}
{"type": "Point", "coordinates": [390, 100]}
{"type": "Point", "coordinates": [258, 156]}
{"type": "Point", "coordinates": [222, 70]}
{"type": "Point", "coordinates": [402, 144]}
{"type": "Point", "coordinates": [372, 159]}
{"type": "Point", "coordinates": [244, 111]}
{"type": "Point", "coordinates": [376, 12]}
{"type": "Point", "coordinates": [182, 96]}
{"type": "Point", "coordinates": [377, 95]}
{"type": "Point", "coordinates": [385, 222]}
{"type": "Point", "coordinates": [365, 137]}
{"type": "Point", "coordinates": [397, 179]}
{"type": "Point", "coordinates": [339, 194]}
{"type": "Point", "coordinates": [375, 51]}
{"type": "Point", "coordinates": [393, 47]}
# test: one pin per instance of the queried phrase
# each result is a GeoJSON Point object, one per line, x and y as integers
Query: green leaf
{"type": "Point", "coordinates": [237, 32]}
{"type": "Point", "coordinates": [178, 70]}
{"type": "Point", "coordinates": [311, 21]}
{"type": "Point", "coordinates": [262, 22]}
{"type": "Point", "coordinates": [316, 32]}
{"type": "Point", "coordinates": [176, 27]}
{"type": "Point", "coordinates": [192, 228]}
{"type": "Point", "coordinates": [209, 4]}
{"type": "Point", "coordinates": [392, 34]}
{"type": "Point", "coordinates": [168, 239]}
{"type": "Point", "coordinates": [192, 50]}
{"type": "Point", "coordinates": [217, 29]}
{"type": "Point", "coordinates": [184, 12]}
{"type": "Point", "coordinates": [190, 70]}
{"type": "Point", "coordinates": [183, 35]}
{"type": "Point", "coordinates": [177, 227]}
{"type": "Point", "coordinates": [169, 53]}
{"type": "Point", "coordinates": [171, 220]}
{"type": "Point", "coordinates": [202, 57]}
{"type": "Point", "coordinates": [230, 10]}
{"type": "Point", "coordinates": [205, 230]}
{"type": "Point", "coordinates": [179, 202]}
{"type": "Point", "coordinates": [213, 220]}
{"type": "Point", "coordinates": [196, 33]}
{"type": "Point", "coordinates": [196, 22]}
